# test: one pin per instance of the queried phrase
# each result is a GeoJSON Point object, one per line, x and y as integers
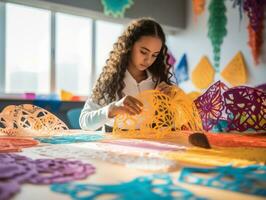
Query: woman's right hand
{"type": "Point", "coordinates": [126, 105]}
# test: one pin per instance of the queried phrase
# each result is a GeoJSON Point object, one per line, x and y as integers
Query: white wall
{"type": "Point", "coordinates": [194, 42]}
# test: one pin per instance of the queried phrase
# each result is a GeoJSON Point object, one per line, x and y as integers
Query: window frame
{"type": "Point", "coordinates": [53, 8]}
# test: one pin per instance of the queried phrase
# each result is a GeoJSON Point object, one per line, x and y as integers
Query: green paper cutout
{"type": "Point", "coordinates": [217, 28]}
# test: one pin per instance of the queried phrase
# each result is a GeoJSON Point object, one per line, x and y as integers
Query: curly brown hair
{"type": "Point", "coordinates": [110, 82]}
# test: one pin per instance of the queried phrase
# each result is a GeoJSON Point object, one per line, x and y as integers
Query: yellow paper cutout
{"type": "Point", "coordinates": [235, 72]}
{"type": "Point", "coordinates": [161, 115]}
{"type": "Point", "coordinates": [194, 95]}
{"type": "Point", "coordinates": [203, 74]}
{"type": "Point", "coordinates": [219, 156]}
{"type": "Point", "coordinates": [65, 95]}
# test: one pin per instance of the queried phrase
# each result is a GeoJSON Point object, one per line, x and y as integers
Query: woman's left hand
{"type": "Point", "coordinates": [164, 88]}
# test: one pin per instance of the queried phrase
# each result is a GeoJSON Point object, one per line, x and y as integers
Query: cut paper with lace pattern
{"type": "Point", "coordinates": [211, 105]}
{"type": "Point", "coordinates": [13, 144]}
{"type": "Point", "coordinates": [261, 87]}
{"type": "Point", "coordinates": [161, 114]}
{"type": "Point", "coordinates": [28, 120]}
{"type": "Point", "coordinates": [7, 190]}
{"type": "Point", "coordinates": [67, 139]}
{"type": "Point", "coordinates": [235, 72]}
{"type": "Point", "coordinates": [116, 8]}
{"type": "Point", "coordinates": [203, 74]}
{"type": "Point", "coordinates": [16, 170]}
{"type": "Point", "coordinates": [122, 154]}
{"type": "Point", "coordinates": [245, 108]}
{"type": "Point", "coordinates": [255, 10]}
{"type": "Point", "coordinates": [251, 179]}
{"type": "Point", "coordinates": [217, 28]}
{"type": "Point", "coordinates": [161, 186]}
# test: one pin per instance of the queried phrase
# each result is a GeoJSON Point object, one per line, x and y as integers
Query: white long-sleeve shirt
{"type": "Point", "coordinates": [94, 116]}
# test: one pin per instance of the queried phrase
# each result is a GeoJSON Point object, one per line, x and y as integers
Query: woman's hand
{"type": "Point", "coordinates": [164, 88]}
{"type": "Point", "coordinates": [126, 105]}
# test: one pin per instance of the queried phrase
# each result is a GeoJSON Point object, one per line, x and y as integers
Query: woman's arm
{"type": "Point", "coordinates": [93, 116]}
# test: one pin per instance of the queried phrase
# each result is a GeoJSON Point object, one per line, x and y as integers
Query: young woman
{"type": "Point", "coordinates": [137, 62]}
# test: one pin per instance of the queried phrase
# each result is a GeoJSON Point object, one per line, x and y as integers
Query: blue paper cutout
{"type": "Point", "coordinates": [147, 187]}
{"type": "Point", "coordinates": [251, 179]}
{"type": "Point", "coordinates": [116, 8]}
{"type": "Point", "coordinates": [70, 139]}
{"type": "Point", "coordinates": [181, 70]}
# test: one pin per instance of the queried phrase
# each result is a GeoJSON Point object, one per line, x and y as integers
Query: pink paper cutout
{"type": "Point", "coordinates": [211, 105]}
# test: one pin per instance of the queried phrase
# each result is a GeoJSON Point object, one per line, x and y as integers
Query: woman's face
{"type": "Point", "coordinates": [145, 52]}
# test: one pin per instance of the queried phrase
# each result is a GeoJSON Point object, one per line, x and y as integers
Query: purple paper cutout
{"type": "Point", "coordinates": [255, 10]}
{"type": "Point", "coordinates": [245, 108]}
{"type": "Point", "coordinates": [262, 87]}
{"type": "Point", "coordinates": [60, 171]}
{"type": "Point", "coordinates": [211, 105]}
{"type": "Point", "coordinates": [8, 189]}
{"type": "Point", "coordinates": [16, 169]}
{"type": "Point", "coordinates": [181, 70]}
{"type": "Point", "coordinates": [171, 59]}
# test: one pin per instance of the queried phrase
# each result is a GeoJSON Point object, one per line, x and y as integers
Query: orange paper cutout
{"type": "Point", "coordinates": [255, 42]}
{"type": "Point", "coordinates": [198, 7]}
{"type": "Point", "coordinates": [10, 144]}
{"type": "Point", "coordinates": [161, 115]}
{"type": "Point", "coordinates": [235, 72]}
{"type": "Point", "coordinates": [194, 95]}
{"type": "Point", "coordinates": [66, 96]}
{"type": "Point", "coordinates": [203, 74]}
{"type": "Point", "coordinates": [28, 120]}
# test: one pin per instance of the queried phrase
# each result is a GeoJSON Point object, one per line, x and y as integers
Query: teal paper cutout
{"type": "Point", "coordinates": [147, 187]}
{"type": "Point", "coordinates": [251, 179]}
{"type": "Point", "coordinates": [116, 8]}
{"type": "Point", "coordinates": [70, 139]}
{"type": "Point", "coordinates": [217, 28]}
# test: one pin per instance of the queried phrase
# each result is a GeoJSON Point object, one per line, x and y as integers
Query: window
{"type": "Point", "coordinates": [73, 53]}
{"type": "Point", "coordinates": [47, 51]}
{"type": "Point", "coordinates": [27, 49]}
{"type": "Point", "coordinates": [106, 35]}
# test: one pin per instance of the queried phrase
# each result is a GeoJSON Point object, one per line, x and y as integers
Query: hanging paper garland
{"type": "Point", "coordinates": [171, 59]}
{"type": "Point", "coordinates": [255, 42]}
{"type": "Point", "coordinates": [116, 8]}
{"type": "Point", "coordinates": [239, 4]}
{"type": "Point", "coordinates": [181, 70]}
{"type": "Point", "coordinates": [217, 28]}
{"type": "Point", "coordinates": [255, 11]}
{"type": "Point", "coordinates": [198, 7]}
